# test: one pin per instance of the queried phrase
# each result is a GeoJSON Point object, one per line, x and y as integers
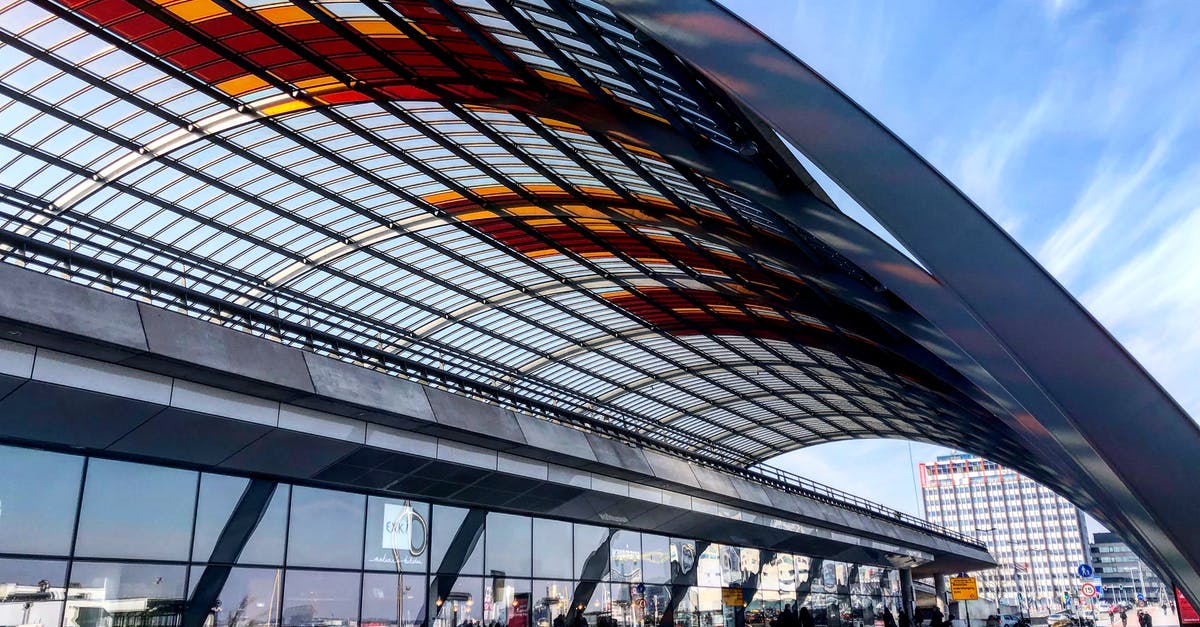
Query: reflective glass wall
{"type": "Point", "coordinates": [89, 542]}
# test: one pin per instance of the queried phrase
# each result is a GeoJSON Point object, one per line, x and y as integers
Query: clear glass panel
{"type": "Point", "coordinates": [750, 561]}
{"type": "Point", "coordinates": [708, 568]}
{"type": "Point", "coordinates": [31, 592]}
{"type": "Point", "coordinates": [266, 544]}
{"type": "Point", "coordinates": [219, 494]}
{"type": "Point", "coordinates": [625, 603]}
{"type": "Point", "coordinates": [155, 525]}
{"type": "Point", "coordinates": [250, 597]}
{"type": "Point", "coordinates": [508, 545]}
{"type": "Point", "coordinates": [320, 597]}
{"type": "Point", "coordinates": [551, 600]}
{"type": "Point", "coordinates": [683, 560]}
{"type": "Point", "coordinates": [591, 552]}
{"type": "Point", "coordinates": [508, 602]}
{"type": "Point", "coordinates": [447, 525]}
{"type": "Point", "coordinates": [655, 604]}
{"type": "Point", "coordinates": [326, 528]}
{"type": "Point", "coordinates": [39, 492]}
{"type": "Point", "coordinates": [106, 593]}
{"type": "Point", "coordinates": [397, 535]}
{"type": "Point", "coordinates": [731, 566]}
{"type": "Point", "coordinates": [392, 600]}
{"type": "Point", "coordinates": [656, 559]}
{"type": "Point", "coordinates": [551, 549]}
{"type": "Point", "coordinates": [598, 609]}
{"type": "Point", "coordinates": [460, 606]}
{"type": "Point", "coordinates": [626, 556]}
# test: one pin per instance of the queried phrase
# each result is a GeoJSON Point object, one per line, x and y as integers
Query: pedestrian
{"type": "Point", "coordinates": [1124, 617]}
{"type": "Point", "coordinates": [805, 618]}
{"type": "Point", "coordinates": [889, 619]}
{"type": "Point", "coordinates": [936, 618]}
{"type": "Point", "coordinates": [905, 620]}
{"type": "Point", "coordinates": [1145, 620]}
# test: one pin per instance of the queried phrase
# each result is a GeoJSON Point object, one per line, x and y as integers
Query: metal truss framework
{"type": "Point", "coordinates": [530, 202]}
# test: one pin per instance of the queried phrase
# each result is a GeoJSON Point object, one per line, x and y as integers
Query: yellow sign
{"type": "Point", "coordinates": [732, 596]}
{"type": "Point", "coordinates": [963, 589]}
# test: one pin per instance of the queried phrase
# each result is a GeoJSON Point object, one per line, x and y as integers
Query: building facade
{"type": "Point", "coordinates": [1123, 575]}
{"type": "Point", "coordinates": [1035, 535]}
{"type": "Point", "coordinates": [94, 542]}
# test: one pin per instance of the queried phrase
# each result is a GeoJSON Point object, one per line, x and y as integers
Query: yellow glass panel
{"type": "Point", "coordinates": [441, 197]}
{"type": "Point", "coordinates": [196, 10]}
{"type": "Point", "coordinates": [286, 107]}
{"type": "Point", "coordinates": [242, 85]}
{"type": "Point", "coordinates": [289, 14]}
{"type": "Point", "coordinates": [376, 28]}
{"type": "Point", "coordinates": [528, 211]}
{"type": "Point", "coordinates": [558, 78]}
{"type": "Point", "coordinates": [474, 215]}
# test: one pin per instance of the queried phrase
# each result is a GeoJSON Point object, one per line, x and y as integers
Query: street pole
{"type": "Point", "coordinates": [1141, 580]}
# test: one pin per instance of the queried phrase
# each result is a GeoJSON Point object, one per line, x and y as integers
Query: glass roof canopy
{"type": "Point", "coordinates": [437, 189]}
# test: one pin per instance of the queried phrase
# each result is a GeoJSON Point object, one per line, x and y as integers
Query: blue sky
{"type": "Point", "coordinates": [1075, 125]}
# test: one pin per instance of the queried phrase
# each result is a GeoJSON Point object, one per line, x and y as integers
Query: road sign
{"type": "Point", "coordinates": [1141, 597]}
{"type": "Point", "coordinates": [641, 588]}
{"type": "Point", "coordinates": [1084, 570]}
{"type": "Point", "coordinates": [963, 589]}
{"type": "Point", "coordinates": [732, 596]}
{"type": "Point", "coordinates": [1088, 589]}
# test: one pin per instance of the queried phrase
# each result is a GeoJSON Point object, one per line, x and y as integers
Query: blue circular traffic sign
{"type": "Point", "coordinates": [1085, 570]}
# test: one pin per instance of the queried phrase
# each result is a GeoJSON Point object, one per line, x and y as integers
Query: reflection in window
{"type": "Point", "coordinates": [683, 560]}
{"type": "Point", "coordinates": [591, 552]}
{"type": "Point", "coordinates": [157, 524]}
{"type": "Point", "coordinates": [731, 566]}
{"type": "Point", "coordinates": [313, 597]}
{"type": "Point", "coordinates": [397, 535]}
{"type": "Point", "coordinates": [31, 592]}
{"type": "Point", "coordinates": [38, 495]}
{"type": "Point", "coordinates": [626, 556]}
{"type": "Point", "coordinates": [105, 593]}
{"type": "Point", "coordinates": [448, 528]}
{"type": "Point", "coordinates": [598, 608]}
{"type": "Point", "coordinates": [250, 597]}
{"type": "Point", "coordinates": [656, 559]}
{"type": "Point", "coordinates": [219, 494]}
{"type": "Point", "coordinates": [508, 545]}
{"type": "Point", "coordinates": [655, 605]}
{"type": "Point", "coordinates": [460, 606]}
{"type": "Point", "coordinates": [392, 600]}
{"type": "Point", "coordinates": [551, 549]}
{"type": "Point", "coordinates": [551, 601]}
{"type": "Point", "coordinates": [508, 602]}
{"type": "Point", "coordinates": [708, 567]}
{"type": "Point", "coordinates": [326, 528]}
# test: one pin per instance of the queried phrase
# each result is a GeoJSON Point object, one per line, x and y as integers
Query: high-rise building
{"type": "Point", "coordinates": [1037, 536]}
{"type": "Point", "coordinates": [1122, 574]}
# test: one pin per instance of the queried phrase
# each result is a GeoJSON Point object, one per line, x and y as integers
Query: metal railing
{"type": "Point", "coordinates": [791, 482]}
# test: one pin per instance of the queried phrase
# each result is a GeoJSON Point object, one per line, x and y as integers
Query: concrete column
{"type": "Point", "coordinates": [939, 591]}
{"type": "Point", "coordinates": [907, 601]}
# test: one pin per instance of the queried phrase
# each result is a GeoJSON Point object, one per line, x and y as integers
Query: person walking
{"type": "Point", "coordinates": [889, 619]}
{"type": "Point", "coordinates": [1124, 617]}
{"type": "Point", "coordinates": [805, 618]}
{"type": "Point", "coordinates": [936, 618]}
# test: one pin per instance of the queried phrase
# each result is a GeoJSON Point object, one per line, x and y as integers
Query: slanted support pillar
{"type": "Point", "coordinates": [907, 601]}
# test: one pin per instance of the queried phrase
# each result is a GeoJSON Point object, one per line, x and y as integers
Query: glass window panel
{"type": "Point", "coordinates": [626, 556]}
{"type": "Point", "coordinates": [397, 535]}
{"type": "Point", "coordinates": [591, 552]}
{"type": "Point", "coordinates": [551, 600]}
{"type": "Point", "coordinates": [106, 593]}
{"type": "Point", "coordinates": [393, 600]}
{"type": "Point", "coordinates": [31, 592]}
{"type": "Point", "coordinates": [460, 606]}
{"type": "Point", "coordinates": [266, 544]}
{"type": "Point", "coordinates": [508, 602]}
{"type": "Point", "coordinates": [708, 568]}
{"type": "Point", "coordinates": [551, 549]}
{"type": "Point", "coordinates": [598, 608]}
{"type": "Point", "coordinates": [508, 545]}
{"type": "Point", "coordinates": [250, 597]}
{"type": "Point", "coordinates": [155, 525]}
{"type": "Point", "coordinates": [39, 492]}
{"type": "Point", "coordinates": [656, 559]}
{"type": "Point", "coordinates": [326, 528]}
{"type": "Point", "coordinates": [320, 597]}
{"type": "Point", "coordinates": [656, 604]}
{"type": "Point", "coordinates": [683, 560]}
{"type": "Point", "coordinates": [750, 562]}
{"type": "Point", "coordinates": [731, 566]}
{"type": "Point", "coordinates": [447, 525]}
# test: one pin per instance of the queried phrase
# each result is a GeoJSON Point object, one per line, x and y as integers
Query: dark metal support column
{"type": "Point", "coordinates": [238, 529]}
{"type": "Point", "coordinates": [461, 546]}
{"type": "Point", "coordinates": [907, 601]}
{"type": "Point", "coordinates": [594, 568]}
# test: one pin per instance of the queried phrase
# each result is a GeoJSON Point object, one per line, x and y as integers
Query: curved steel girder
{"type": "Point", "coordinates": [1078, 394]}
